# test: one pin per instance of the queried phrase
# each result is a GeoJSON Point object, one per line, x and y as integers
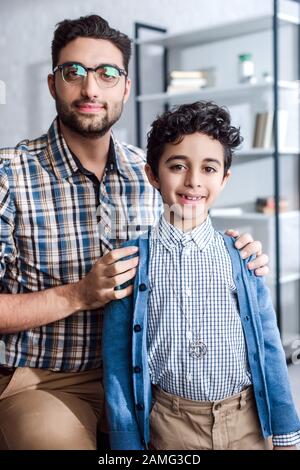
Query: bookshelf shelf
{"type": "Point", "coordinates": [262, 152]}
{"type": "Point", "coordinates": [263, 227]}
{"type": "Point", "coordinates": [249, 155]}
{"type": "Point", "coordinates": [218, 93]}
{"type": "Point", "coordinates": [251, 215]}
{"type": "Point", "coordinates": [220, 32]}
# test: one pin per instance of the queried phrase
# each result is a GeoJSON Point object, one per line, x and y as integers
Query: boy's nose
{"type": "Point", "coordinates": [193, 180]}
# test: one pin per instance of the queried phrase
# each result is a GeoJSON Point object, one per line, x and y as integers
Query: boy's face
{"type": "Point", "coordinates": [190, 178]}
{"type": "Point", "coordinates": [89, 109]}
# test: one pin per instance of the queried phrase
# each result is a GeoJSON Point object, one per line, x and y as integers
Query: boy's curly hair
{"type": "Point", "coordinates": [202, 116]}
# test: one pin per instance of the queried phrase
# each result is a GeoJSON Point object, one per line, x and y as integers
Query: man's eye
{"type": "Point", "coordinates": [108, 73]}
{"type": "Point", "coordinates": [74, 72]}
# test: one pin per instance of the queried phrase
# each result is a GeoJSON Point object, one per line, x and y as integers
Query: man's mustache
{"type": "Point", "coordinates": [82, 102]}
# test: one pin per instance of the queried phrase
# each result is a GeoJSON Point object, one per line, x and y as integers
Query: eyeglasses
{"type": "Point", "coordinates": [74, 73]}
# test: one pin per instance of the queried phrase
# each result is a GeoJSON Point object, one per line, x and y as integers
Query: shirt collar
{"type": "Point", "coordinates": [171, 236]}
{"type": "Point", "coordinates": [65, 163]}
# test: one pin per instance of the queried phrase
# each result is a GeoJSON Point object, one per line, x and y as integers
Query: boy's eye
{"type": "Point", "coordinates": [209, 169]}
{"type": "Point", "coordinates": [178, 167]}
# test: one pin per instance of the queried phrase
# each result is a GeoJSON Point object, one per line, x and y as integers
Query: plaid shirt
{"type": "Point", "coordinates": [56, 220]}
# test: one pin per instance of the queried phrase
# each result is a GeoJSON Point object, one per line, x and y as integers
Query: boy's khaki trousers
{"type": "Point", "coordinates": [180, 424]}
{"type": "Point", "coordinates": [41, 409]}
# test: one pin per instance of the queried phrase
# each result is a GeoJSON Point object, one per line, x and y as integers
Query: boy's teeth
{"type": "Point", "coordinates": [191, 198]}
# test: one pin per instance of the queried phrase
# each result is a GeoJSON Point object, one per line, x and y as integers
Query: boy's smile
{"type": "Point", "coordinates": [190, 177]}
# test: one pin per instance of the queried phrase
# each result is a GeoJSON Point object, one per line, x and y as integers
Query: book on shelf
{"type": "Point", "coordinates": [183, 88]}
{"type": "Point", "coordinates": [190, 80]}
{"type": "Point", "coordinates": [186, 84]}
{"type": "Point", "coordinates": [266, 205]}
{"type": "Point", "coordinates": [200, 82]}
{"type": "Point", "coordinates": [263, 136]}
{"type": "Point", "coordinates": [186, 74]}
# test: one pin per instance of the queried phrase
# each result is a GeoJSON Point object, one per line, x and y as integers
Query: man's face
{"type": "Point", "coordinates": [86, 108]}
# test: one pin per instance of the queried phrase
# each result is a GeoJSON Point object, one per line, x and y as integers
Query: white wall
{"type": "Point", "coordinates": [26, 30]}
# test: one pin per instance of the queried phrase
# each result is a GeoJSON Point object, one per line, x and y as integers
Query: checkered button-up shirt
{"type": "Point", "coordinates": [192, 292]}
{"type": "Point", "coordinates": [56, 220]}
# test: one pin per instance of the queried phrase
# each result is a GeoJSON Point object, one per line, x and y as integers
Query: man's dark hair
{"type": "Point", "coordinates": [92, 26]}
{"type": "Point", "coordinates": [203, 116]}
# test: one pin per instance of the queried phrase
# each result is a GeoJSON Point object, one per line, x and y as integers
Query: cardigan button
{"type": "Point", "coordinates": [142, 287]}
{"type": "Point", "coordinates": [139, 406]}
{"type": "Point", "coordinates": [137, 328]}
{"type": "Point", "coordinates": [137, 369]}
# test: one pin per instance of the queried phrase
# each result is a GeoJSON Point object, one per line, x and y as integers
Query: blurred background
{"type": "Point", "coordinates": [232, 52]}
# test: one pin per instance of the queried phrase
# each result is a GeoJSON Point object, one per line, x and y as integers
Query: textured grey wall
{"type": "Point", "coordinates": [26, 29]}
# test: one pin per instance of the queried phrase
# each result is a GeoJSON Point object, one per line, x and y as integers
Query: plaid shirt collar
{"type": "Point", "coordinates": [171, 236]}
{"type": "Point", "coordinates": [64, 163]}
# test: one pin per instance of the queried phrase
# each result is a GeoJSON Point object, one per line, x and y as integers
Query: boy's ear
{"type": "Point", "coordinates": [226, 178]}
{"type": "Point", "coordinates": [153, 180]}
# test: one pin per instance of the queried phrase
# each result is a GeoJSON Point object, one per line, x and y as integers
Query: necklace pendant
{"type": "Point", "coordinates": [197, 348]}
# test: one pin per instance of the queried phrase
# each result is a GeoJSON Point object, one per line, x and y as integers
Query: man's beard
{"type": "Point", "coordinates": [90, 126]}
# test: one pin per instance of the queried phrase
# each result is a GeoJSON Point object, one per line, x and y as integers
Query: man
{"type": "Point", "coordinates": [67, 201]}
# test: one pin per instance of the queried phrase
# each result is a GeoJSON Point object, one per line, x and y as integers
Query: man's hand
{"type": "Point", "coordinates": [248, 247]}
{"type": "Point", "coordinates": [98, 287]}
{"type": "Point", "coordinates": [285, 448]}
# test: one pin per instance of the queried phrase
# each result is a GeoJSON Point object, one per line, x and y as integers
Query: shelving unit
{"type": "Point", "coordinates": [283, 89]}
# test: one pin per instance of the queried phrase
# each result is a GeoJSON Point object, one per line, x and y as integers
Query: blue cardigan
{"type": "Point", "coordinates": [128, 393]}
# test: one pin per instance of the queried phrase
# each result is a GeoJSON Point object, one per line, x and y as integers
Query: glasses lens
{"type": "Point", "coordinates": [72, 73]}
{"type": "Point", "coordinates": [108, 75]}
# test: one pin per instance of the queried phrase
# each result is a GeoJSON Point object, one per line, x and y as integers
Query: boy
{"type": "Point", "coordinates": [198, 339]}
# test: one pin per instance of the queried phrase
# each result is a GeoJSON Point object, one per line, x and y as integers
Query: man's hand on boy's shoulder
{"type": "Point", "coordinates": [248, 247]}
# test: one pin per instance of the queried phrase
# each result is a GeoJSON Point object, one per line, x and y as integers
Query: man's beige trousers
{"type": "Point", "coordinates": [42, 410]}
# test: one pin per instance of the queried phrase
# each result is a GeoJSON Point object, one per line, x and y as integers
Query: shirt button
{"type": "Point", "coordinates": [188, 292]}
{"type": "Point", "coordinates": [106, 230]}
{"type": "Point", "coordinates": [142, 287]}
{"type": "Point", "coordinates": [187, 251]}
{"type": "Point", "coordinates": [189, 377]}
{"type": "Point", "coordinates": [137, 369]}
{"type": "Point", "coordinates": [137, 328]}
